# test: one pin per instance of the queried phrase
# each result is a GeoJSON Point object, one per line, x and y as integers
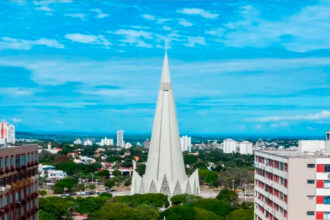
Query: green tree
{"type": "Point", "coordinates": [220, 208]}
{"type": "Point", "coordinates": [55, 206]}
{"type": "Point", "coordinates": [116, 173]}
{"type": "Point", "coordinates": [202, 214]}
{"type": "Point", "coordinates": [210, 177]}
{"type": "Point", "coordinates": [229, 196]}
{"type": "Point", "coordinates": [179, 212]}
{"type": "Point", "coordinates": [140, 168]}
{"type": "Point", "coordinates": [92, 186]}
{"type": "Point", "coordinates": [179, 199]}
{"type": "Point", "coordinates": [63, 184]}
{"type": "Point", "coordinates": [146, 212]}
{"type": "Point", "coordinates": [109, 183]}
{"type": "Point", "coordinates": [115, 211]}
{"type": "Point", "coordinates": [241, 214]}
{"type": "Point", "coordinates": [43, 192]}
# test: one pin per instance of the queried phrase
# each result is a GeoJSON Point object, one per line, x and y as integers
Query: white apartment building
{"type": "Point", "coordinates": [245, 147]}
{"type": "Point", "coordinates": [7, 133]}
{"type": "Point", "coordinates": [88, 142]}
{"type": "Point", "coordinates": [106, 142]}
{"type": "Point", "coordinates": [120, 139]}
{"type": "Point", "coordinates": [77, 141]}
{"type": "Point", "coordinates": [291, 184]}
{"type": "Point", "coordinates": [229, 146]}
{"type": "Point", "coordinates": [185, 143]}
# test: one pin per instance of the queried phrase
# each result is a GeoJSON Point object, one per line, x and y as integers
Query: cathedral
{"type": "Point", "coordinates": [165, 171]}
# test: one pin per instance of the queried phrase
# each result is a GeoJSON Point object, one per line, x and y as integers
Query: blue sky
{"type": "Point", "coordinates": [249, 67]}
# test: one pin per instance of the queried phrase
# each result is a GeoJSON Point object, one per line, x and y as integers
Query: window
{"type": "Point", "coordinates": [35, 156]}
{"type": "Point", "coordinates": [326, 168]}
{"type": "Point", "coordinates": [6, 162]}
{"type": "Point", "coordinates": [0, 202]}
{"type": "Point", "coordinates": [16, 197]}
{"type": "Point", "coordinates": [17, 160]}
{"type": "Point", "coordinates": [310, 213]}
{"type": "Point", "coordinates": [22, 160]}
{"type": "Point", "coordinates": [310, 197]}
{"type": "Point", "coordinates": [326, 200]}
{"type": "Point", "coordinates": [326, 215]}
{"type": "Point", "coordinates": [5, 200]}
{"type": "Point", "coordinates": [12, 161]}
{"type": "Point", "coordinates": [1, 166]}
{"type": "Point", "coordinates": [11, 199]}
{"type": "Point", "coordinates": [28, 158]}
{"type": "Point", "coordinates": [281, 166]}
{"type": "Point", "coordinates": [310, 181]}
{"type": "Point", "coordinates": [311, 165]}
{"type": "Point", "coordinates": [326, 184]}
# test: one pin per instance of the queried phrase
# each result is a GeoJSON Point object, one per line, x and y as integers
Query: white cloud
{"type": "Point", "coordinates": [77, 15]}
{"type": "Point", "coordinates": [44, 8]}
{"type": "Point", "coordinates": [317, 116]}
{"type": "Point", "coordinates": [22, 44]}
{"type": "Point", "coordinates": [304, 31]}
{"type": "Point", "coordinates": [149, 17]}
{"type": "Point", "coordinates": [99, 13]}
{"type": "Point", "coordinates": [88, 39]}
{"type": "Point", "coordinates": [16, 91]}
{"type": "Point", "coordinates": [193, 41]}
{"type": "Point", "coordinates": [16, 120]}
{"type": "Point", "coordinates": [198, 11]}
{"type": "Point", "coordinates": [135, 37]}
{"type": "Point", "coordinates": [156, 19]}
{"type": "Point", "coordinates": [185, 23]}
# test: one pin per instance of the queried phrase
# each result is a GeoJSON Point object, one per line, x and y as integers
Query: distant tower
{"type": "Point", "coordinates": [328, 136]}
{"type": "Point", "coordinates": [165, 171]}
{"type": "Point", "coordinates": [120, 138]}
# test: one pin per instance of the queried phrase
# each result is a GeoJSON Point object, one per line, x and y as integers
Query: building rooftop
{"type": "Point", "coordinates": [294, 153]}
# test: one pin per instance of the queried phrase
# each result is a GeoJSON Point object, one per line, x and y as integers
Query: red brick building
{"type": "Point", "coordinates": [19, 182]}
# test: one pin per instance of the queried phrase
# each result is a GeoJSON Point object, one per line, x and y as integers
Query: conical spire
{"type": "Point", "coordinates": [165, 166]}
{"type": "Point", "coordinates": [166, 70]}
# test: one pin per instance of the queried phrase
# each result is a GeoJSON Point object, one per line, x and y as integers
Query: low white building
{"type": "Point", "coordinates": [229, 146]}
{"type": "Point", "coordinates": [245, 147]}
{"type": "Point", "coordinates": [84, 160]}
{"type": "Point", "coordinates": [55, 175]}
{"type": "Point", "coordinates": [106, 142]}
{"type": "Point", "coordinates": [128, 145]}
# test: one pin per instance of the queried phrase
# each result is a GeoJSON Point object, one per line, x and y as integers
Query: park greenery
{"type": "Point", "coordinates": [147, 206]}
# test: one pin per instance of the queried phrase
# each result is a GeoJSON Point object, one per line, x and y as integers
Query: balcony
{"type": "Point", "coordinates": [18, 168]}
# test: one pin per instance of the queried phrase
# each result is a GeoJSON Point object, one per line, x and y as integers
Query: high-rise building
{"type": "Point", "coordinates": [19, 182]}
{"type": "Point", "coordinates": [7, 132]}
{"type": "Point", "coordinates": [185, 143]}
{"type": "Point", "coordinates": [165, 171]}
{"type": "Point", "coordinates": [120, 138]}
{"type": "Point", "coordinates": [106, 142]}
{"type": "Point", "coordinates": [292, 184]}
{"type": "Point", "coordinates": [229, 146]}
{"type": "Point", "coordinates": [245, 147]}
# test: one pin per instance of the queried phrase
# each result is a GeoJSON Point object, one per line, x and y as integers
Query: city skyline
{"type": "Point", "coordinates": [236, 68]}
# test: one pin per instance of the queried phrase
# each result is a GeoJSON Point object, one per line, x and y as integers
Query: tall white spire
{"type": "Point", "coordinates": [165, 172]}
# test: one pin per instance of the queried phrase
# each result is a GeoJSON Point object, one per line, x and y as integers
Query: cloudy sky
{"type": "Point", "coordinates": [250, 67]}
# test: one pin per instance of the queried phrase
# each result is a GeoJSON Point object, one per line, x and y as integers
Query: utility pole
{"type": "Point", "coordinates": [233, 184]}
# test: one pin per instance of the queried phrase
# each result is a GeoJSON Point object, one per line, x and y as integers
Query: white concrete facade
{"type": "Point", "coordinates": [120, 139]}
{"type": "Point", "coordinates": [185, 143]}
{"type": "Point", "coordinates": [291, 184]}
{"type": "Point", "coordinates": [245, 147]}
{"type": "Point", "coordinates": [165, 171]}
{"type": "Point", "coordinates": [229, 146]}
